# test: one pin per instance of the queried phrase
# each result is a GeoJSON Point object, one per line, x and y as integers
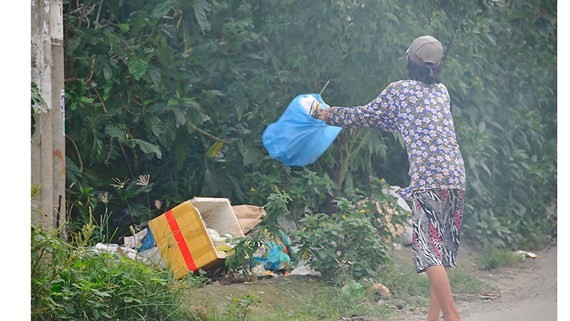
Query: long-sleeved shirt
{"type": "Point", "coordinates": [420, 112]}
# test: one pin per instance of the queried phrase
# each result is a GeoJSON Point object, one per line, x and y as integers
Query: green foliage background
{"type": "Point", "coordinates": [182, 90]}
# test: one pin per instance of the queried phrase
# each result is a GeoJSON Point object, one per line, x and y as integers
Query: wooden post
{"type": "Point", "coordinates": [48, 141]}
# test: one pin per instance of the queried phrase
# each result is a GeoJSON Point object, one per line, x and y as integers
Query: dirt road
{"type": "Point", "coordinates": [527, 293]}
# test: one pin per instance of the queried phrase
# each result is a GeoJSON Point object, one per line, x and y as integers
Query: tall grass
{"type": "Point", "coordinates": [70, 282]}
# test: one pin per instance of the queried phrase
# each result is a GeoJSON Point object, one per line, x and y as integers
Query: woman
{"type": "Point", "coordinates": [419, 109]}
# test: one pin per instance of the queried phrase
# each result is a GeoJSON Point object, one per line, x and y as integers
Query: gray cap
{"type": "Point", "coordinates": [425, 50]}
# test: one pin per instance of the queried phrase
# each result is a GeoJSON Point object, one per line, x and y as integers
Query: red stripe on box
{"type": "Point", "coordinates": [184, 250]}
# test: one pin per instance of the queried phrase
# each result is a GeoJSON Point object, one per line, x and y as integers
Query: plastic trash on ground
{"type": "Point", "coordinates": [274, 255]}
{"type": "Point", "coordinates": [526, 254]}
{"type": "Point", "coordinates": [274, 259]}
{"type": "Point", "coordinates": [115, 248]}
{"type": "Point", "coordinates": [147, 242]}
{"type": "Point", "coordinates": [296, 138]}
{"type": "Point", "coordinates": [151, 256]}
{"type": "Point", "coordinates": [304, 269]}
{"type": "Point", "coordinates": [135, 241]}
{"type": "Point", "coordinates": [138, 247]}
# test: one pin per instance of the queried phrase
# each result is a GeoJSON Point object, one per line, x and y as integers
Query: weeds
{"type": "Point", "coordinates": [70, 282]}
{"type": "Point", "coordinates": [197, 280]}
{"type": "Point", "coordinates": [404, 283]}
{"type": "Point", "coordinates": [464, 283]}
{"type": "Point", "coordinates": [240, 306]}
{"type": "Point", "coordinates": [288, 298]}
{"type": "Point", "coordinates": [493, 258]}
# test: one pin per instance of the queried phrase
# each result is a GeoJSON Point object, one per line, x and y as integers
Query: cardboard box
{"type": "Point", "coordinates": [182, 238]}
{"type": "Point", "coordinates": [249, 216]}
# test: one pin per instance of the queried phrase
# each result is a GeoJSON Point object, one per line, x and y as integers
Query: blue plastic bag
{"type": "Point", "coordinates": [275, 259]}
{"type": "Point", "coordinates": [296, 138]}
{"type": "Point", "coordinates": [147, 241]}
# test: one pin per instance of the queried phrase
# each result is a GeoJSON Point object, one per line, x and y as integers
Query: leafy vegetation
{"type": "Point", "coordinates": [336, 243]}
{"type": "Point", "coordinates": [70, 282]}
{"type": "Point", "coordinates": [182, 90]}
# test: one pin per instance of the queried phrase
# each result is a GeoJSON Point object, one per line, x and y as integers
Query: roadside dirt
{"type": "Point", "coordinates": [524, 293]}
{"type": "Point", "coordinates": [528, 293]}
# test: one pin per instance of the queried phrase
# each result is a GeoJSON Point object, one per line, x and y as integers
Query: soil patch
{"type": "Point", "coordinates": [524, 293]}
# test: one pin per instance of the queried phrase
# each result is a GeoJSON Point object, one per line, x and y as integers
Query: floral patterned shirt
{"type": "Point", "coordinates": [420, 113]}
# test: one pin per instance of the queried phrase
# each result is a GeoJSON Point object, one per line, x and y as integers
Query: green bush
{"type": "Point", "coordinates": [71, 282]}
{"type": "Point", "coordinates": [348, 241]}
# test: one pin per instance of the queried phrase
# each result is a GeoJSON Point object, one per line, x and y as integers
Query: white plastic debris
{"type": "Point", "coordinates": [304, 269]}
{"type": "Point", "coordinates": [223, 243]}
{"type": "Point", "coordinates": [151, 256]}
{"type": "Point", "coordinates": [214, 235]}
{"type": "Point", "coordinates": [135, 241]}
{"type": "Point", "coordinates": [115, 248]}
{"type": "Point", "coordinates": [526, 254]}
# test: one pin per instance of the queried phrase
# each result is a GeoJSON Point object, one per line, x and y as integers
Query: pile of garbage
{"type": "Point", "coordinates": [201, 233]}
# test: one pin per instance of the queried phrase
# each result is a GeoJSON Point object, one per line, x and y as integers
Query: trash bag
{"type": "Point", "coordinates": [275, 259]}
{"type": "Point", "coordinates": [275, 253]}
{"type": "Point", "coordinates": [147, 242]}
{"type": "Point", "coordinates": [296, 138]}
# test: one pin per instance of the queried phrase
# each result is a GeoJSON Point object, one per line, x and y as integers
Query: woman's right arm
{"type": "Point", "coordinates": [380, 113]}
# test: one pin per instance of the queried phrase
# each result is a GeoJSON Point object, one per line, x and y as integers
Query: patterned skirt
{"type": "Point", "coordinates": [438, 215]}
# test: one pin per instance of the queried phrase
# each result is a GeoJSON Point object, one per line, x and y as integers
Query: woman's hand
{"type": "Point", "coordinates": [324, 114]}
{"type": "Point", "coordinates": [317, 111]}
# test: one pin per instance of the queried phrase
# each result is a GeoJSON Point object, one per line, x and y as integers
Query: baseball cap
{"type": "Point", "coordinates": [425, 50]}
